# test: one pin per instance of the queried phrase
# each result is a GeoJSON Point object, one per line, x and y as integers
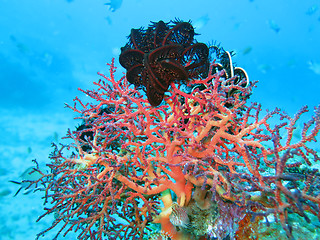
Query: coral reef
{"type": "Point", "coordinates": [193, 161]}
{"type": "Point", "coordinates": [204, 155]}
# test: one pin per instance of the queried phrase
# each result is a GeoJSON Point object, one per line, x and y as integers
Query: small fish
{"type": "Point", "coordinates": [29, 175]}
{"type": "Point", "coordinates": [201, 22]}
{"type": "Point", "coordinates": [23, 48]}
{"type": "Point", "coordinates": [311, 10]}
{"type": "Point", "coordinates": [179, 216]}
{"type": "Point", "coordinates": [160, 236]}
{"type": "Point", "coordinates": [114, 5]}
{"type": "Point", "coordinates": [264, 68]}
{"type": "Point", "coordinates": [291, 63]}
{"type": "Point", "coordinates": [109, 20]}
{"type": "Point", "coordinates": [3, 171]}
{"type": "Point", "coordinates": [29, 150]}
{"type": "Point", "coordinates": [4, 192]}
{"type": "Point", "coordinates": [274, 26]}
{"type": "Point", "coordinates": [314, 66]}
{"type": "Point", "coordinates": [116, 51]}
{"type": "Point", "coordinates": [246, 50]}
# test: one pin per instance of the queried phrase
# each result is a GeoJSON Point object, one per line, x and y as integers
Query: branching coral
{"type": "Point", "coordinates": [203, 149]}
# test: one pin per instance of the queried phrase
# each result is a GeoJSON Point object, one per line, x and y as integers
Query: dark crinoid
{"type": "Point", "coordinates": [162, 53]}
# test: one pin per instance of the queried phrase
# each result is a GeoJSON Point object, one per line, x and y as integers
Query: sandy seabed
{"type": "Point", "coordinates": [26, 136]}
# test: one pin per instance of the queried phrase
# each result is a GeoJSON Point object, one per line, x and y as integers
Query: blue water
{"type": "Point", "coordinates": [50, 48]}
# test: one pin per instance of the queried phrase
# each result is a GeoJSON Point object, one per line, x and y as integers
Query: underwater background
{"type": "Point", "coordinates": [50, 48]}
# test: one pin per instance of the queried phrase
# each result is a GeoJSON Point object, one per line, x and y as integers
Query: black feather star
{"type": "Point", "coordinates": [162, 53]}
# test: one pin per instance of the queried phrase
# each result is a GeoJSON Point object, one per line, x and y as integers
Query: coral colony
{"type": "Point", "coordinates": [191, 160]}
